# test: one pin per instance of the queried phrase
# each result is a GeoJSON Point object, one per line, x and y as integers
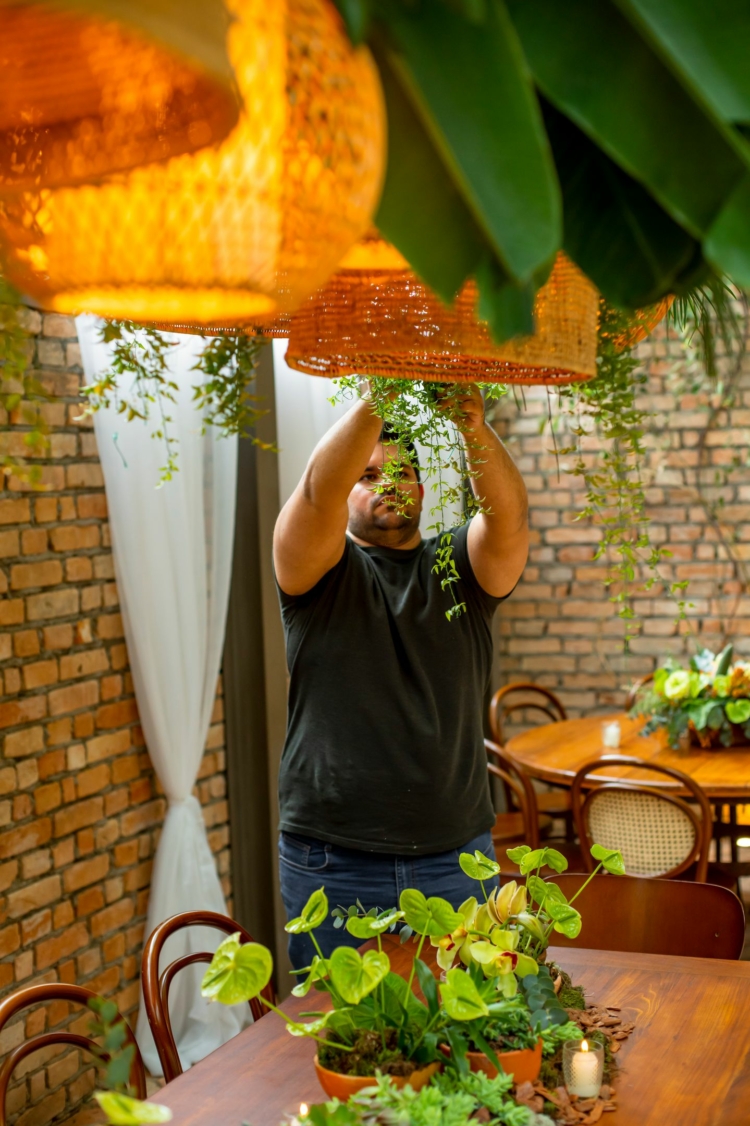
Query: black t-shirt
{"type": "Point", "coordinates": [384, 747]}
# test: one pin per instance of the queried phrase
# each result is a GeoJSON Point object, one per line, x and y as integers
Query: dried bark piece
{"type": "Point", "coordinates": [595, 1114]}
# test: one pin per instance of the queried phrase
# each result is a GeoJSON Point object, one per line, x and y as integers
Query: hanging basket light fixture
{"type": "Point", "coordinates": [375, 317]}
{"type": "Point", "coordinates": [239, 232]}
{"type": "Point", "coordinates": [91, 87]}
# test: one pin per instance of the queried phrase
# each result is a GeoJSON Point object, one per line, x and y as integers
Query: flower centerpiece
{"type": "Point", "coordinates": [707, 703]}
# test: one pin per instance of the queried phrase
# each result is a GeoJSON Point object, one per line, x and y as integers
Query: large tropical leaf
{"type": "Point", "coordinates": [469, 83]}
{"type": "Point", "coordinates": [621, 238]}
{"type": "Point", "coordinates": [707, 43]}
{"type": "Point", "coordinates": [595, 67]}
{"type": "Point", "coordinates": [727, 245]}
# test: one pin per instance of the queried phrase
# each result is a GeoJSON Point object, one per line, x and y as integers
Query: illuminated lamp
{"type": "Point", "coordinates": [236, 233]}
{"type": "Point", "coordinates": [644, 321]}
{"type": "Point", "coordinates": [87, 89]}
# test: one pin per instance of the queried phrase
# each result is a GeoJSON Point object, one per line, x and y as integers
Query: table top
{"type": "Point", "coordinates": [553, 753]}
{"type": "Point", "coordinates": [687, 1062]}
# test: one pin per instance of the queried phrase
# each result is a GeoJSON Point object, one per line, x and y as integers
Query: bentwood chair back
{"type": "Point", "coordinates": [57, 991]}
{"type": "Point", "coordinates": [511, 828]}
{"type": "Point", "coordinates": [156, 985]}
{"type": "Point", "coordinates": [652, 916]}
{"type": "Point", "coordinates": [635, 689]}
{"type": "Point", "coordinates": [658, 831]}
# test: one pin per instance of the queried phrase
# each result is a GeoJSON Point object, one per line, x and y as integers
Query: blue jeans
{"type": "Point", "coordinates": [376, 878]}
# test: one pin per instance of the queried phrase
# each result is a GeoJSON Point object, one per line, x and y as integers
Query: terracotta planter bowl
{"type": "Point", "coordinates": [338, 1086]}
{"type": "Point", "coordinates": [524, 1065]}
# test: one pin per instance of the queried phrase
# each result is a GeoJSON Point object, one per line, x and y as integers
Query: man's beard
{"type": "Point", "coordinates": [385, 527]}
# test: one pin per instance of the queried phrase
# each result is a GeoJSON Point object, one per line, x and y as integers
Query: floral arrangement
{"type": "Point", "coordinates": [708, 703]}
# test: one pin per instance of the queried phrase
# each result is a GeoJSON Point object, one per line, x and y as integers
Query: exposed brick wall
{"type": "Point", "coordinates": [559, 627]}
{"type": "Point", "coordinates": [80, 805]}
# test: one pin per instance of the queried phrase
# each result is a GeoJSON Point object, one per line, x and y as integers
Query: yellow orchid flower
{"type": "Point", "coordinates": [506, 902]}
{"type": "Point", "coordinates": [456, 944]}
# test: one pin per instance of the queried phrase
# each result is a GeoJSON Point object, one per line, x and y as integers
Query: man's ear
{"type": "Point", "coordinates": [421, 491]}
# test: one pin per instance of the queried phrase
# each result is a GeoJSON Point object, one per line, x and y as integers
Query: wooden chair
{"type": "Point", "coordinates": [57, 991]}
{"type": "Point", "coordinates": [523, 697]}
{"type": "Point", "coordinates": [658, 832]}
{"type": "Point", "coordinates": [635, 688]}
{"type": "Point", "coordinates": [652, 916]}
{"type": "Point", "coordinates": [156, 985]}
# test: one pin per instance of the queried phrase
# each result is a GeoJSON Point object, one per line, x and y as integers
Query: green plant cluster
{"type": "Point", "coordinates": [452, 1100]}
{"type": "Point", "coordinates": [514, 131]}
{"type": "Point", "coordinates": [710, 700]}
{"type": "Point", "coordinates": [21, 392]}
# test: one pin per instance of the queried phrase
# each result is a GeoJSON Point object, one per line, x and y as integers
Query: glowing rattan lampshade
{"type": "Point", "coordinates": [92, 87]}
{"type": "Point", "coordinates": [376, 318]}
{"type": "Point", "coordinates": [644, 322]}
{"type": "Point", "coordinates": [240, 232]}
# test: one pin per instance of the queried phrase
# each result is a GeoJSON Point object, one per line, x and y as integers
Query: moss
{"type": "Point", "coordinates": [369, 1054]}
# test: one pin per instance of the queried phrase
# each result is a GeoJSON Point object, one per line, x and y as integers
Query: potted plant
{"type": "Point", "coordinates": [707, 704]}
{"type": "Point", "coordinates": [376, 1023]}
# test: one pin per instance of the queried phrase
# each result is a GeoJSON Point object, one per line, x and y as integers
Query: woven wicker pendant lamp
{"type": "Point", "coordinates": [375, 317]}
{"type": "Point", "coordinates": [240, 232]}
{"type": "Point", "coordinates": [644, 322]}
{"type": "Point", "coordinates": [89, 88]}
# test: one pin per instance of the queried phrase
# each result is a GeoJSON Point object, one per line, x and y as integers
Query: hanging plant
{"type": "Point", "coordinates": [227, 366]}
{"type": "Point", "coordinates": [21, 393]}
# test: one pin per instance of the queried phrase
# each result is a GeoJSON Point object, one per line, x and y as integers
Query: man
{"type": "Point", "coordinates": [383, 778]}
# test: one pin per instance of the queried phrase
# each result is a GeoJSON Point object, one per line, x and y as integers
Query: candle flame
{"type": "Point", "coordinates": [303, 1108]}
{"type": "Point", "coordinates": [584, 1048]}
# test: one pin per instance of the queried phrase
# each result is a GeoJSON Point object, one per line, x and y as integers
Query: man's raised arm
{"type": "Point", "coordinates": [498, 540]}
{"type": "Point", "coordinates": [310, 532]}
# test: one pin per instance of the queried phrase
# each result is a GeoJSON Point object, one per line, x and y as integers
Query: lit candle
{"type": "Point", "coordinates": [611, 734]}
{"type": "Point", "coordinates": [303, 1108]}
{"type": "Point", "coordinates": [585, 1075]}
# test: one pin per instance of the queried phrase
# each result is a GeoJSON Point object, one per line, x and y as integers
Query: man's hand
{"type": "Point", "coordinates": [464, 405]}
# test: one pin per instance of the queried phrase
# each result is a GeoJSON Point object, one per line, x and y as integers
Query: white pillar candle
{"type": "Point", "coordinates": [585, 1078]}
{"type": "Point", "coordinates": [611, 734]}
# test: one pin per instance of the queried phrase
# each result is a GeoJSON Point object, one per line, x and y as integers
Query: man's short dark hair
{"type": "Point", "coordinates": [391, 437]}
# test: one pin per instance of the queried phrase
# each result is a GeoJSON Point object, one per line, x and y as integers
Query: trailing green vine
{"type": "Point", "coordinates": [227, 366]}
{"type": "Point", "coordinates": [426, 414]}
{"type": "Point", "coordinates": [21, 393]}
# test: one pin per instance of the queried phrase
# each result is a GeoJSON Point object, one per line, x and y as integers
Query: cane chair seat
{"type": "Point", "coordinates": [657, 829]}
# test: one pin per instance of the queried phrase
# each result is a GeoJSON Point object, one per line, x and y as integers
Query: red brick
{"type": "Point", "coordinates": [117, 715]}
{"type": "Point", "coordinates": [83, 634]}
{"type": "Point", "coordinates": [9, 544]}
{"type": "Point", "coordinates": [85, 841]}
{"type": "Point", "coordinates": [86, 872]}
{"type": "Point", "coordinates": [78, 816]}
{"type": "Point", "coordinates": [63, 914]}
{"type": "Point", "coordinates": [91, 781]}
{"type": "Point", "coordinates": [59, 636]}
{"type": "Point", "coordinates": [112, 918]}
{"type": "Point", "coordinates": [89, 901]}
{"type": "Point", "coordinates": [22, 807]}
{"type": "Point", "coordinates": [111, 686]}
{"type": "Point", "coordinates": [33, 541]}
{"type": "Point", "coordinates": [10, 940]}
{"type": "Point", "coordinates": [105, 745]}
{"type": "Point", "coordinates": [73, 698]}
{"type": "Point", "coordinates": [25, 837]}
{"type": "Point", "coordinates": [63, 853]}
{"type": "Point", "coordinates": [83, 664]}
{"type": "Point", "coordinates": [83, 726]}
{"type": "Point", "coordinates": [109, 627]}
{"type": "Point", "coordinates": [30, 739]}
{"type": "Point", "coordinates": [25, 575]}
{"type": "Point", "coordinates": [139, 877]}
{"type": "Point", "coordinates": [126, 854]}
{"type": "Point", "coordinates": [59, 731]}
{"type": "Point", "coordinates": [51, 763]}
{"type": "Point", "coordinates": [16, 712]}
{"type": "Point", "coordinates": [45, 510]}
{"type": "Point", "coordinates": [35, 895]}
{"type": "Point", "coordinates": [26, 643]}
{"type": "Point", "coordinates": [35, 864]}
{"type": "Point", "coordinates": [53, 604]}
{"type": "Point", "coordinates": [47, 797]}
{"type": "Point", "coordinates": [78, 569]}
{"type": "Point", "coordinates": [43, 1112]}
{"type": "Point", "coordinates": [140, 791]}
{"type": "Point", "coordinates": [11, 611]}
{"type": "Point", "coordinates": [74, 537]}
{"type": "Point", "coordinates": [115, 802]}
{"type": "Point", "coordinates": [113, 949]}
{"type": "Point", "coordinates": [125, 769]}
{"type": "Point", "coordinates": [8, 873]}
{"type": "Point", "coordinates": [14, 512]}
{"type": "Point", "coordinates": [61, 946]}
{"type": "Point", "coordinates": [92, 506]}
{"type": "Point", "coordinates": [39, 674]}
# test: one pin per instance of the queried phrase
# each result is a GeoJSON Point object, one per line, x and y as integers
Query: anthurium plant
{"type": "Point", "coordinates": [708, 702]}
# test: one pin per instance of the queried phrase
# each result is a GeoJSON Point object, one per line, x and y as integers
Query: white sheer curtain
{"type": "Point", "coordinates": [172, 550]}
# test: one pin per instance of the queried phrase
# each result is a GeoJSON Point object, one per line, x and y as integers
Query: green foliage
{"type": "Point", "coordinates": [22, 395]}
{"type": "Point", "coordinates": [354, 975]}
{"type": "Point", "coordinates": [433, 916]}
{"type": "Point", "coordinates": [138, 383]}
{"type": "Point", "coordinates": [122, 1110]}
{"type": "Point", "coordinates": [313, 914]}
{"type": "Point", "coordinates": [115, 1054]}
{"type": "Point", "coordinates": [711, 700]}
{"type": "Point", "coordinates": [237, 972]}
{"type": "Point", "coordinates": [545, 1008]}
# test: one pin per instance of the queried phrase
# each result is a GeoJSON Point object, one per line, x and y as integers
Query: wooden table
{"type": "Point", "coordinates": [555, 751]}
{"type": "Point", "coordinates": [687, 1063]}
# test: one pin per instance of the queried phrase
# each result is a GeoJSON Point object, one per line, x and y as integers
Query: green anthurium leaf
{"type": "Point", "coordinates": [353, 975]}
{"type": "Point", "coordinates": [526, 966]}
{"type": "Point", "coordinates": [738, 711]}
{"type": "Point", "coordinates": [611, 859]}
{"type": "Point", "coordinates": [555, 860]}
{"type": "Point", "coordinates": [237, 973]}
{"type": "Point", "coordinates": [368, 926]}
{"type": "Point", "coordinates": [630, 248]}
{"type": "Point", "coordinates": [554, 893]}
{"type": "Point", "coordinates": [313, 914]}
{"type": "Point", "coordinates": [567, 919]}
{"type": "Point", "coordinates": [469, 83]}
{"type": "Point", "coordinates": [706, 44]}
{"type": "Point", "coordinates": [318, 970]}
{"type": "Point", "coordinates": [312, 1027]}
{"type": "Point", "coordinates": [121, 1110]}
{"type": "Point", "coordinates": [422, 211]}
{"type": "Point", "coordinates": [516, 855]}
{"type": "Point", "coordinates": [434, 916]}
{"type": "Point", "coordinates": [428, 985]}
{"type": "Point", "coordinates": [537, 888]}
{"type": "Point", "coordinates": [593, 65]}
{"type": "Point", "coordinates": [460, 997]}
{"type": "Point", "coordinates": [532, 860]}
{"type": "Point", "coordinates": [478, 866]}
